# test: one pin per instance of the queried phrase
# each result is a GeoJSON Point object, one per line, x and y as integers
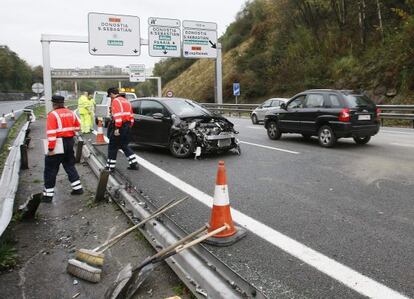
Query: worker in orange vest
{"type": "Point", "coordinates": [61, 126]}
{"type": "Point", "coordinates": [119, 129]}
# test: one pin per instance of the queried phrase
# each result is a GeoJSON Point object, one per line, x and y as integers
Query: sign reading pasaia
{"type": "Point", "coordinates": [199, 39]}
{"type": "Point", "coordinates": [113, 35]}
{"type": "Point", "coordinates": [164, 36]}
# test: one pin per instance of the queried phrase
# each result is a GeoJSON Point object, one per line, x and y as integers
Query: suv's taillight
{"type": "Point", "coordinates": [344, 115]}
{"type": "Point", "coordinates": [378, 112]}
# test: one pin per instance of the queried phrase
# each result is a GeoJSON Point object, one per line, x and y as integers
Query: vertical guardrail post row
{"type": "Point", "coordinates": [102, 184]}
{"type": "Point", "coordinates": [24, 160]}
{"type": "Point", "coordinates": [79, 147]}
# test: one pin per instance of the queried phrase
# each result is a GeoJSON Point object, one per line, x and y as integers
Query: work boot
{"type": "Point", "coordinates": [77, 192]}
{"type": "Point", "coordinates": [109, 169]}
{"type": "Point", "coordinates": [133, 166]}
{"type": "Point", "coordinates": [47, 199]}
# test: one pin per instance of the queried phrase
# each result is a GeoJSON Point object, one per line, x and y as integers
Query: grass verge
{"type": "Point", "coordinates": [8, 254]}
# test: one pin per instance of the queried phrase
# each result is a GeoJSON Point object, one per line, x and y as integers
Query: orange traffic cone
{"type": "Point", "coordinates": [221, 214]}
{"type": "Point", "coordinates": [13, 116]}
{"type": "Point", "coordinates": [3, 122]}
{"type": "Point", "coordinates": [100, 139]}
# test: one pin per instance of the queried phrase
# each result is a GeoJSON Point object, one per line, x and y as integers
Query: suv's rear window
{"type": "Point", "coordinates": [355, 101]}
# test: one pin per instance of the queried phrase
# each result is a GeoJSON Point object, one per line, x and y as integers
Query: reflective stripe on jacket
{"type": "Point", "coordinates": [121, 111]}
{"type": "Point", "coordinates": [61, 122]}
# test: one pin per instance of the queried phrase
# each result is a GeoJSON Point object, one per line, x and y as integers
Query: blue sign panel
{"type": "Point", "coordinates": [236, 89]}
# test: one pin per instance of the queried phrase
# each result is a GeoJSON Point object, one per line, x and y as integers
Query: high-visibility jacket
{"type": "Point", "coordinates": [61, 122]}
{"type": "Point", "coordinates": [121, 111]}
{"type": "Point", "coordinates": [84, 105]}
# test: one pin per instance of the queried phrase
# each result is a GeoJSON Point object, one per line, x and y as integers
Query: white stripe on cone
{"type": "Point", "coordinates": [221, 195]}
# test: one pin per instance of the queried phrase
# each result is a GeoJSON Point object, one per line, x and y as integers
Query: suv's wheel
{"type": "Point", "coordinates": [326, 136]}
{"type": "Point", "coordinates": [182, 146]}
{"type": "Point", "coordinates": [254, 119]}
{"type": "Point", "coordinates": [362, 140]}
{"type": "Point", "coordinates": [273, 130]}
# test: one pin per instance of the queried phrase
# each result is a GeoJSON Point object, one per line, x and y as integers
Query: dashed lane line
{"type": "Point", "coordinates": [403, 144]}
{"type": "Point", "coordinates": [270, 147]}
{"type": "Point", "coordinates": [396, 132]}
{"type": "Point", "coordinates": [256, 128]}
{"type": "Point", "coordinates": [344, 274]}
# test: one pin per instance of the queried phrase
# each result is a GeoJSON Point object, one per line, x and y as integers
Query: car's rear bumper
{"type": "Point", "coordinates": [342, 129]}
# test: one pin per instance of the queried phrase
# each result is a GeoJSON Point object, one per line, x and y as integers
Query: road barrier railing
{"type": "Point", "coordinates": [10, 178]}
{"type": "Point", "coordinates": [199, 269]}
{"type": "Point", "coordinates": [398, 112]}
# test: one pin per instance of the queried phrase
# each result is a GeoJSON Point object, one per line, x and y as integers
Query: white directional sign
{"type": "Point", "coordinates": [164, 37]}
{"type": "Point", "coordinates": [117, 35]}
{"type": "Point", "coordinates": [37, 88]}
{"type": "Point", "coordinates": [137, 72]}
{"type": "Point", "coordinates": [199, 39]}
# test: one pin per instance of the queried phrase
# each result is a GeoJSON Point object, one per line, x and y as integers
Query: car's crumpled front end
{"type": "Point", "coordinates": [209, 133]}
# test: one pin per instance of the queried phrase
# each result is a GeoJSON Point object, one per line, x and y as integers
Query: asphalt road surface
{"type": "Point", "coordinates": [7, 107]}
{"type": "Point", "coordinates": [323, 223]}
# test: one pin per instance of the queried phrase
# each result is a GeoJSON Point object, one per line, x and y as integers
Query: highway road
{"type": "Point", "coordinates": [323, 223]}
{"type": "Point", "coordinates": [7, 107]}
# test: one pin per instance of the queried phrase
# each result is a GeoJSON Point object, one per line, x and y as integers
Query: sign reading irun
{"type": "Point", "coordinates": [164, 37]}
{"type": "Point", "coordinates": [117, 35]}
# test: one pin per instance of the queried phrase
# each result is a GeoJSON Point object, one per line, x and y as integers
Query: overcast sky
{"type": "Point", "coordinates": [23, 22]}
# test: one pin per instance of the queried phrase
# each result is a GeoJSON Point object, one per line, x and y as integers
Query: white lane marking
{"type": "Point", "coordinates": [349, 277]}
{"type": "Point", "coordinates": [403, 144]}
{"type": "Point", "coordinates": [256, 128]}
{"type": "Point", "coordinates": [270, 147]}
{"type": "Point", "coordinates": [396, 132]}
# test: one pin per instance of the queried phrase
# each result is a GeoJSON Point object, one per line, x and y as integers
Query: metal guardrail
{"type": "Point", "coordinates": [392, 114]}
{"type": "Point", "coordinates": [10, 179]}
{"type": "Point", "coordinates": [202, 272]}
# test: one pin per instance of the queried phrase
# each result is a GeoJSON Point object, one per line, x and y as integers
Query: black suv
{"type": "Point", "coordinates": [328, 114]}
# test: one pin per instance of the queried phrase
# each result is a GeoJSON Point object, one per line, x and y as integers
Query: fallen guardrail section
{"type": "Point", "coordinates": [201, 271]}
{"type": "Point", "coordinates": [10, 177]}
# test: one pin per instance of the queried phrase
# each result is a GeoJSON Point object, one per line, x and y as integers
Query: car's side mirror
{"type": "Point", "coordinates": [283, 106]}
{"type": "Point", "coordinates": [158, 116]}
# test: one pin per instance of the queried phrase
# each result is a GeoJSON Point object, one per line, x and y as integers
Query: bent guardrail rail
{"type": "Point", "coordinates": [10, 179]}
{"type": "Point", "coordinates": [248, 108]}
{"type": "Point", "coordinates": [202, 272]}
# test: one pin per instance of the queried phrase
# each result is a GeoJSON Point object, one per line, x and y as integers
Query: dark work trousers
{"type": "Point", "coordinates": [52, 164]}
{"type": "Point", "coordinates": [119, 142]}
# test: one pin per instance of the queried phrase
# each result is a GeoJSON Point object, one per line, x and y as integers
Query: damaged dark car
{"type": "Point", "coordinates": [183, 126]}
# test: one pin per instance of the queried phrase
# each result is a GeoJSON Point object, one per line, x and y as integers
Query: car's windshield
{"type": "Point", "coordinates": [355, 101]}
{"type": "Point", "coordinates": [130, 96]}
{"type": "Point", "coordinates": [185, 108]}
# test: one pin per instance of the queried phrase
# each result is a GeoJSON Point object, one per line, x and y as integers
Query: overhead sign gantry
{"type": "Point", "coordinates": [119, 35]}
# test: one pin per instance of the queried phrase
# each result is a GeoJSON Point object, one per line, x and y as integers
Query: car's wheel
{"type": "Point", "coordinates": [362, 140]}
{"type": "Point", "coordinates": [326, 136]}
{"type": "Point", "coordinates": [255, 121]}
{"type": "Point", "coordinates": [273, 130]}
{"type": "Point", "coordinates": [182, 146]}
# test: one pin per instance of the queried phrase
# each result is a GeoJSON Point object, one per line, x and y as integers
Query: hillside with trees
{"type": "Point", "coordinates": [281, 47]}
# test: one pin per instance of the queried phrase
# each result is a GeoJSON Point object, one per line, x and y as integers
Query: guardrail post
{"type": "Point", "coordinates": [24, 161]}
{"type": "Point", "coordinates": [79, 147]}
{"type": "Point", "coordinates": [103, 182]}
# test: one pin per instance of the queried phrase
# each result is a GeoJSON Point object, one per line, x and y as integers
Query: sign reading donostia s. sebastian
{"type": "Point", "coordinates": [113, 35]}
